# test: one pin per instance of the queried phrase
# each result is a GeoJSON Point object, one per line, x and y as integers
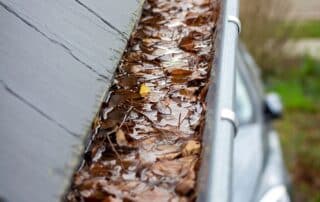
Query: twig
{"type": "Point", "coordinates": [125, 117]}
{"type": "Point", "coordinates": [110, 142]}
{"type": "Point", "coordinates": [179, 121]}
{"type": "Point", "coordinates": [115, 151]}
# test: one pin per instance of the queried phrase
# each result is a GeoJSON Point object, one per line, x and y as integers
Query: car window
{"type": "Point", "coordinates": [244, 107]}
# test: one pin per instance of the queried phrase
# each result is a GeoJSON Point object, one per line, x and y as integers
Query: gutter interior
{"type": "Point", "coordinates": [146, 141]}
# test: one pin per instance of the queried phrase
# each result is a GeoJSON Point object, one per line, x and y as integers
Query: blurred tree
{"type": "Point", "coordinates": [265, 31]}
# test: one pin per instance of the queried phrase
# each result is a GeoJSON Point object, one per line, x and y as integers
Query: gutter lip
{"type": "Point", "coordinates": [215, 174]}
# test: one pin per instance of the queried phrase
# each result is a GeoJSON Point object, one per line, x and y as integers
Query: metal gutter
{"type": "Point", "coordinates": [221, 124]}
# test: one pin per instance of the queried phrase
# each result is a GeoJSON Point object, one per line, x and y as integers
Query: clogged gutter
{"type": "Point", "coordinates": [146, 142]}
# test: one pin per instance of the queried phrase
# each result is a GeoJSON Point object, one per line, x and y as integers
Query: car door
{"type": "Point", "coordinates": [249, 149]}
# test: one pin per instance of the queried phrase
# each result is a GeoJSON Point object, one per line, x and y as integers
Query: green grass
{"type": "Point", "coordinates": [293, 95]}
{"type": "Point", "coordinates": [300, 138]}
{"type": "Point", "coordinates": [299, 87]}
{"type": "Point", "coordinates": [298, 30]}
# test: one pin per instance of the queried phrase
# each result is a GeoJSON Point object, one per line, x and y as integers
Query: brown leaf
{"type": "Point", "coordinates": [192, 147]}
{"type": "Point", "coordinates": [98, 169]}
{"type": "Point", "coordinates": [153, 20]}
{"type": "Point", "coordinates": [196, 35]}
{"type": "Point", "coordinates": [188, 92]}
{"type": "Point", "coordinates": [185, 186]}
{"type": "Point", "coordinates": [128, 81]}
{"type": "Point", "coordinates": [133, 57]}
{"type": "Point", "coordinates": [154, 194]}
{"type": "Point", "coordinates": [187, 44]}
{"type": "Point", "coordinates": [80, 176]}
{"type": "Point", "coordinates": [179, 79]}
{"type": "Point", "coordinates": [168, 151]}
{"type": "Point", "coordinates": [168, 168]}
{"type": "Point", "coordinates": [180, 72]}
{"type": "Point", "coordinates": [108, 124]}
{"type": "Point", "coordinates": [169, 156]}
{"type": "Point", "coordinates": [195, 19]}
{"type": "Point", "coordinates": [149, 41]}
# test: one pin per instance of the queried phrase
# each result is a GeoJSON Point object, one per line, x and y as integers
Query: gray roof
{"type": "Point", "coordinates": [57, 58]}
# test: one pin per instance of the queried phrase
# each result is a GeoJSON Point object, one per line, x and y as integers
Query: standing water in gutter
{"type": "Point", "coordinates": [146, 142]}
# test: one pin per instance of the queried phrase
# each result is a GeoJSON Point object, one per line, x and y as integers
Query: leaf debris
{"type": "Point", "coordinates": [146, 140]}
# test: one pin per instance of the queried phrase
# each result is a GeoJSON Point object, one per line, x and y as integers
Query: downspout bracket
{"type": "Point", "coordinates": [235, 20]}
{"type": "Point", "coordinates": [230, 116]}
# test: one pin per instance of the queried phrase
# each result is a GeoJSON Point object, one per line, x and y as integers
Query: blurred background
{"type": "Point", "coordinates": [284, 38]}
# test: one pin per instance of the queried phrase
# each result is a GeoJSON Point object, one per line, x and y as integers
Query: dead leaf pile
{"type": "Point", "coordinates": [146, 141]}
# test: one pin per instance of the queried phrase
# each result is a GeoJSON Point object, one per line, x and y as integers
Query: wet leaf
{"type": "Point", "coordinates": [185, 186]}
{"type": "Point", "coordinates": [168, 151]}
{"type": "Point", "coordinates": [180, 72]}
{"type": "Point", "coordinates": [155, 194]}
{"type": "Point", "coordinates": [108, 124]}
{"type": "Point", "coordinates": [187, 44]}
{"type": "Point", "coordinates": [154, 20]}
{"type": "Point", "coordinates": [98, 169]}
{"type": "Point", "coordinates": [189, 92]}
{"type": "Point", "coordinates": [195, 35]}
{"type": "Point", "coordinates": [168, 168]}
{"type": "Point", "coordinates": [129, 81]}
{"type": "Point", "coordinates": [169, 156]}
{"type": "Point", "coordinates": [196, 19]}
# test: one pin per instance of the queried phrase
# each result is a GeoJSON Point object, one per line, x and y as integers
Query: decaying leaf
{"type": "Point", "coordinates": [187, 44]}
{"type": "Point", "coordinates": [188, 92]}
{"type": "Point", "coordinates": [169, 156]}
{"type": "Point", "coordinates": [192, 147]}
{"type": "Point", "coordinates": [98, 169]}
{"type": "Point", "coordinates": [185, 186]}
{"type": "Point", "coordinates": [180, 72]}
{"type": "Point", "coordinates": [168, 168]}
{"type": "Point", "coordinates": [196, 19]}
